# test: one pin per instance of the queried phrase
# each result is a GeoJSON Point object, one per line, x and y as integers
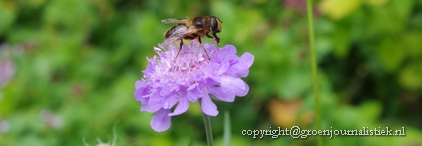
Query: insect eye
{"type": "Point", "coordinates": [198, 24]}
{"type": "Point", "coordinates": [214, 24]}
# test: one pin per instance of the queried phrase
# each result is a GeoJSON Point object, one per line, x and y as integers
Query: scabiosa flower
{"type": "Point", "coordinates": [51, 119]}
{"type": "Point", "coordinates": [4, 126]}
{"type": "Point", "coordinates": [7, 71]}
{"type": "Point", "coordinates": [191, 77]}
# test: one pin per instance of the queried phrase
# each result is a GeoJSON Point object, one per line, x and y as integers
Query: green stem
{"type": "Point", "coordinates": [208, 129]}
{"type": "Point", "coordinates": [314, 64]}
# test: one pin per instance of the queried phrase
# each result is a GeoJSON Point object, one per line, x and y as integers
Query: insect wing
{"type": "Point", "coordinates": [178, 33]}
{"type": "Point", "coordinates": [174, 20]}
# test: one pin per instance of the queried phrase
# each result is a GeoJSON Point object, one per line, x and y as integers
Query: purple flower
{"type": "Point", "coordinates": [51, 119]}
{"type": "Point", "coordinates": [190, 77]}
{"type": "Point", "coordinates": [7, 71]}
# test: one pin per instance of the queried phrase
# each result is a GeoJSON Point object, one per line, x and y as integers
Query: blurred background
{"type": "Point", "coordinates": [68, 69]}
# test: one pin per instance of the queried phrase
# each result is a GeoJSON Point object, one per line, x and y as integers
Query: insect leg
{"type": "Point", "coordinates": [208, 35]}
{"type": "Point", "coordinates": [216, 38]}
{"type": "Point", "coordinates": [200, 42]}
{"type": "Point", "coordinates": [181, 44]}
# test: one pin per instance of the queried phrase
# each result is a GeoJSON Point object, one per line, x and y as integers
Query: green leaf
{"type": "Point", "coordinates": [390, 54]}
{"type": "Point", "coordinates": [410, 77]}
{"type": "Point", "coordinates": [294, 83]}
{"type": "Point", "coordinates": [337, 9]}
{"type": "Point", "coordinates": [370, 111]}
{"type": "Point", "coordinates": [341, 41]}
{"type": "Point", "coordinates": [7, 15]}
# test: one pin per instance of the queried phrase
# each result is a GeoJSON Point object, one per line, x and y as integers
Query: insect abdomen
{"type": "Point", "coordinates": [171, 31]}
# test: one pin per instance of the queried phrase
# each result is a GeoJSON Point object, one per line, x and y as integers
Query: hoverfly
{"type": "Point", "coordinates": [193, 28]}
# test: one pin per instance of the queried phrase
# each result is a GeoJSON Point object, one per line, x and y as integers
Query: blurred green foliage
{"type": "Point", "coordinates": [79, 60]}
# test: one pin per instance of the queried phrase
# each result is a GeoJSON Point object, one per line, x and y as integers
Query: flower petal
{"type": "Point", "coordinates": [247, 59]}
{"type": "Point", "coordinates": [223, 53]}
{"type": "Point", "coordinates": [144, 106]}
{"type": "Point", "coordinates": [166, 90]}
{"type": "Point", "coordinates": [222, 93]}
{"type": "Point", "coordinates": [241, 67]}
{"type": "Point", "coordinates": [225, 65]}
{"type": "Point", "coordinates": [228, 88]}
{"type": "Point", "coordinates": [241, 90]}
{"type": "Point", "coordinates": [210, 47]}
{"type": "Point", "coordinates": [141, 90]}
{"type": "Point", "coordinates": [181, 107]}
{"type": "Point", "coordinates": [139, 95]}
{"type": "Point", "coordinates": [242, 73]}
{"type": "Point", "coordinates": [139, 84]}
{"type": "Point", "coordinates": [161, 121]}
{"type": "Point", "coordinates": [227, 50]}
{"type": "Point", "coordinates": [155, 102]}
{"type": "Point", "coordinates": [150, 69]}
{"type": "Point", "coordinates": [207, 106]}
{"type": "Point", "coordinates": [170, 101]}
{"type": "Point", "coordinates": [193, 94]}
{"type": "Point", "coordinates": [237, 84]}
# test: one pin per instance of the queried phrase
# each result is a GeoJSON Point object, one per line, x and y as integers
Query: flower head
{"type": "Point", "coordinates": [7, 71]}
{"type": "Point", "coordinates": [191, 76]}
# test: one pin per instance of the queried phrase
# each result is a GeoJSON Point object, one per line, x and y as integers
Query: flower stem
{"type": "Point", "coordinates": [208, 129]}
{"type": "Point", "coordinates": [314, 64]}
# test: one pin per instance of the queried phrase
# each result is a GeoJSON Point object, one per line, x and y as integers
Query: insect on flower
{"type": "Point", "coordinates": [193, 28]}
{"type": "Point", "coordinates": [168, 83]}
